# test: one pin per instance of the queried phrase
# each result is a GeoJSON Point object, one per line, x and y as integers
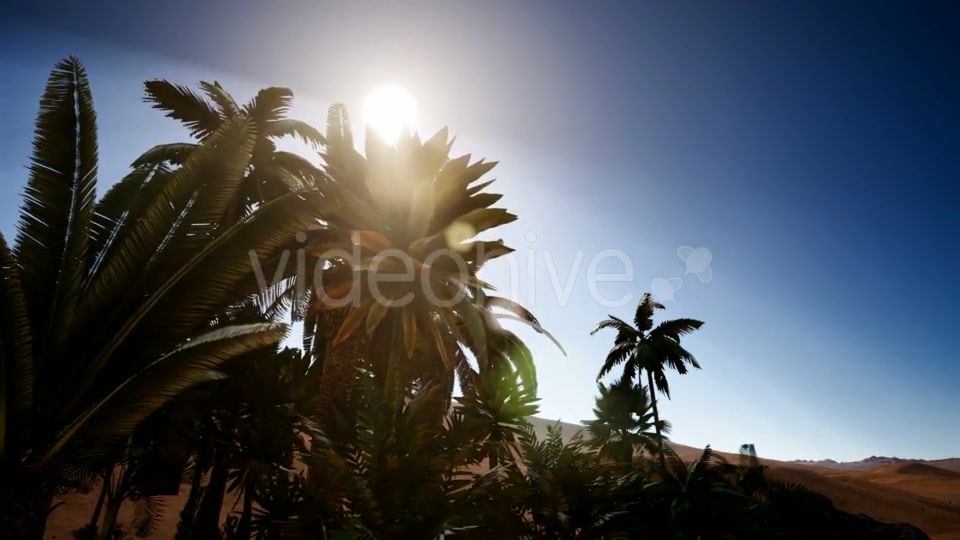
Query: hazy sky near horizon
{"type": "Point", "coordinates": [812, 147]}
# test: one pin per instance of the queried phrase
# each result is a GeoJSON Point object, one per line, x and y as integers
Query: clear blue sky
{"type": "Point", "coordinates": [813, 148]}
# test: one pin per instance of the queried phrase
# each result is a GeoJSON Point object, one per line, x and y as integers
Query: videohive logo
{"type": "Point", "coordinates": [698, 263]}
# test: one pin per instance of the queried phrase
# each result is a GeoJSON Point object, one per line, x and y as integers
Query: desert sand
{"type": "Point", "coordinates": [924, 494]}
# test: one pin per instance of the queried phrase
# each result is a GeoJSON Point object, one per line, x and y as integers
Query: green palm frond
{"type": "Point", "coordinates": [643, 318]}
{"type": "Point", "coordinates": [516, 312]}
{"type": "Point", "coordinates": [218, 275]}
{"type": "Point", "coordinates": [17, 377]}
{"type": "Point", "coordinates": [217, 183]}
{"type": "Point", "coordinates": [183, 104]}
{"type": "Point", "coordinates": [52, 234]}
{"type": "Point", "coordinates": [676, 328]}
{"type": "Point", "coordinates": [226, 105]}
{"type": "Point", "coordinates": [147, 237]}
{"type": "Point", "coordinates": [339, 132]}
{"type": "Point", "coordinates": [270, 104]}
{"type": "Point", "coordinates": [286, 127]}
{"type": "Point", "coordinates": [613, 323]}
{"type": "Point", "coordinates": [147, 512]}
{"type": "Point", "coordinates": [620, 353]}
{"type": "Point", "coordinates": [145, 392]}
{"type": "Point", "coordinates": [126, 200]}
{"type": "Point", "coordinates": [173, 153]}
{"type": "Point", "coordinates": [298, 167]}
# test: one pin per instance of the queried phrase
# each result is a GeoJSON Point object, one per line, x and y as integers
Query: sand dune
{"type": "Point", "coordinates": [952, 464]}
{"type": "Point", "coordinates": [925, 494]}
{"type": "Point", "coordinates": [924, 469]}
{"type": "Point", "coordinates": [892, 497]}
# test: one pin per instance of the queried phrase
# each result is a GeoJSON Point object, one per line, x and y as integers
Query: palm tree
{"type": "Point", "coordinates": [408, 211]}
{"type": "Point", "coordinates": [653, 349]}
{"type": "Point", "coordinates": [272, 172]}
{"type": "Point", "coordinates": [108, 306]}
{"type": "Point", "coordinates": [624, 422]}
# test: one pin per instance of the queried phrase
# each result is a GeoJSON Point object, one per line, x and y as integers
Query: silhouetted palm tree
{"type": "Point", "coordinates": [106, 306]}
{"type": "Point", "coordinates": [653, 349]}
{"type": "Point", "coordinates": [624, 422]}
{"type": "Point", "coordinates": [272, 172]}
{"type": "Point", "coordinates": [409, 209]}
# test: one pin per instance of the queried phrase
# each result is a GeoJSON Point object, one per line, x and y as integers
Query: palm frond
{"type": "Point", "coordinates": [173, 153]}
{"type": "Point", "coordinates": [226, 105]}
{"type": "Point", "coordinates": [643, 318]}
{"type": "Point", "coordinates": [270, 104]}
{"type": "Point", "coordinates": [53, 240]}
{"type": "Point", "coordinates": [150, 234]}
{"type": "Point", "coordinates": [117, 413]}
{"type": "Point", "coordinates": [619, 354]}
{"type": "Point", "coordinates": [123, 202]}
{"type": "Point", "coordinates": [183, 104]}
{"type": "Point", "coordinates": [614, 323]}
{"type": "Point", "coordinates": [165, 319]}
{"type": "Point", "coordinates": [286, 127]}
{"type": "Point", "coordinates": [16, 350]}
{"type": "Point", "coordinates": [338, 126]}
{"type": "Point", "coordinates": [676, 328]}
{"type": "Point", "coordinates": [147, 512]}
{"type": "Point", "coordinates": [301, 169]}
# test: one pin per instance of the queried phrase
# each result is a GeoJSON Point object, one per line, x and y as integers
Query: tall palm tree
{"type": "Point", "coordinates": [410, 211]}
{"type": "Point", "coordinates": [108, 305]}
{"type": "Point", "coordinates": [642, 346]}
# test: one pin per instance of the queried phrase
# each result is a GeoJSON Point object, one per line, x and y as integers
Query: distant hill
{"type": "Point", "coordinates": [873, 462]}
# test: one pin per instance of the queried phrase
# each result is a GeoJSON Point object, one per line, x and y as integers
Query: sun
{"type": "Point", "coordinates": [389, 110]}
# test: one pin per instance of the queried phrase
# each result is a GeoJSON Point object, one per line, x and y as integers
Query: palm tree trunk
{"type": "Point", "coordinates": [656, 417]}
{"type": "Point", "coordinates": [95, 518]}
{"type": "Point", "coordinates": [110, 517]}
{"type": "Point", "coordinates": [207, 522]}
{"type": "Point", "coordinates": [338, 376]}
{"type": "Point", "coordinates": [189, 512]}
{"type": "Point", "coordinates": [115, 497]}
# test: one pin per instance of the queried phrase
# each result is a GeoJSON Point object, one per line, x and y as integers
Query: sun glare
{"type": "Point", "coordinates": [389, 110]}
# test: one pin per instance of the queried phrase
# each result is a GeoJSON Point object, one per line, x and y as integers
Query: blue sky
{"type": "Point", "coordinates": [812, 147]}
